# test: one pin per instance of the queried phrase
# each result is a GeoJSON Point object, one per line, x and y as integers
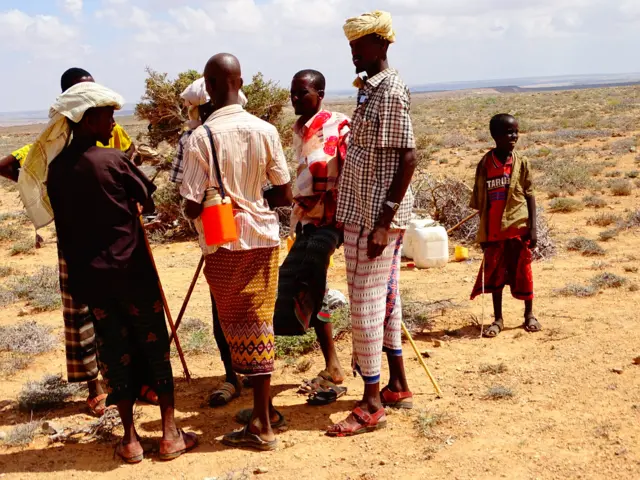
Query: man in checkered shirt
{"type": "Point", "coordinates": [374, 205]}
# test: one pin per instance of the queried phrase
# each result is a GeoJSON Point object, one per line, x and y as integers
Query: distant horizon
{"type": "Point", "coordinates": [29, 117]}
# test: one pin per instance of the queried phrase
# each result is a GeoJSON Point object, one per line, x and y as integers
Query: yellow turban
{"type": "Point", "coordinates": [377, 22]}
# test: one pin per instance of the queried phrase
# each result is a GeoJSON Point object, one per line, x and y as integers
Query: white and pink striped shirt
{"type": "Point", "coordinates": [250, 155]}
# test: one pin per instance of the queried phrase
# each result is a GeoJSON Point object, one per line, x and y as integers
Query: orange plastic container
{"type": "Point", "coordinates": [217, 219]}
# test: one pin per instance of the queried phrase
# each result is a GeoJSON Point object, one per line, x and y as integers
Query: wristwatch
{"type": "Point", "coordinates": [392, 205]}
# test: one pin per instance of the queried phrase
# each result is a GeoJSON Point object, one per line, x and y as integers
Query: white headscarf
{"type": "Point", "coordinates": [71, 105]}
{"type": "Point", "coordinates": [195, 95]}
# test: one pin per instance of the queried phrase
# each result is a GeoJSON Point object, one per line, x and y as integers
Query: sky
{"type": "Point", "coordinates": [437, 40]}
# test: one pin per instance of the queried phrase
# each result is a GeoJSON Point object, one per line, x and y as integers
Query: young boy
{"type": "Point", "coordinates": [503, 193]}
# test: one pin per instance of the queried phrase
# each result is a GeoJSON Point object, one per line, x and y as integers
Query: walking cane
{"type": "Point", "coordinates": [166, 305]}
{"type": "Point", "coordinates": [188, 297]}
{"type": "Point", "coordinates": [482, 302]}
{"type": "Point", "coordinates": [421, 360]}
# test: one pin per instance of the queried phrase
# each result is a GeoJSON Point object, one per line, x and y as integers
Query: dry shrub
{"type": "Point", "coordinates": [168, 203]}
{"type": "Point", "coordinates": [419, 316]}
{"type": "Point", "coordinates": [633, 174]}
{"type": "Point", "coordinates": [633, 220]}
{"type": "Point", "coordinates": [447, 201]}
{"type": "Point", "coordinates": [605, 219]}
{"type": "Point", "coordinates": [27, 337]}
{"type": "Point", "coordinates": [499, 392]}
{"type": "Point", "coordinates": [26, 246]}
{"type": "Point", "coordinates": [426, 422]}
{"type": "Point", "coordinates": [585, 246]}
{"type": "Point", "coordinates": [196, 337]}
{"type": "Point", "coordinates": [41, 290]}
{"type": "Point", "coordinates": [6, 297]}
{"type": "Point", "coordinates": [576, 290]}
{"type": "Point", "coordinates": [6, 271]}
{"type": "Point", "coordinates": [10, 363]}
{"type": "Point", "coordinates": [22, 435]}
{"type": "Point", "coordinates": [608, 280]}
{"type": "Point", "coordinates": [621, 188]}
{"type": "Point", "coordinates": [49, 392]}
{"type": "Point", "coordinates": [10, 233]}
{"type": "Point", "coordinates": [564, 175]}
{"type": "Point", "coordinates": [565, 205]}
{"type": "Point", "coordinates": [608, 234]}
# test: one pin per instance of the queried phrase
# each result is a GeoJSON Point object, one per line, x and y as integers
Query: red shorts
{"type": "Point", "coordinates": [507, 262]}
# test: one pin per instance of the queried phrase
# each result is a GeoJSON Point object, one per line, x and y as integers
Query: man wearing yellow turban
{"type": "Point", "coordinates": [374, 205]}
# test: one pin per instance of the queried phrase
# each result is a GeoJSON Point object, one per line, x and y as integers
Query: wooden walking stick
{"type": "Point", "coordinates": [462, 222]}
{"type": "Point", "coordinates": [482, 320]}
{"type": "Point", "coordinates": [166, 305]}
{"type": "Point", "coordinates": [421, 360]}
{"type": "Point", "coordinates": [188, 297]}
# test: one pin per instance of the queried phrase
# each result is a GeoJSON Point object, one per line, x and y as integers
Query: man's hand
{"type": "Point", "coordinates": [377, 241]}
{"type": "Point", "coordinates": [532, 237]}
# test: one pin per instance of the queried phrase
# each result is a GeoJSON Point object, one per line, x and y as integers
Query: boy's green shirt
{"type": "Point", "coordinates": [515, 214]}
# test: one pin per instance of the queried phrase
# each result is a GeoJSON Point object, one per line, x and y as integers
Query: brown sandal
{"type": "Point", "coordinates": [127, 456]}
{"type": "Point", "coordinates": [98, 405]}
{"type": "Point", "coordinates": [190, 442]}
{"type": "Point", "coordinates": [358, 422]}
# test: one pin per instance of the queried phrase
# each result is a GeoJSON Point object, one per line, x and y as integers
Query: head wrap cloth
{"type": "Point", "coordinates": [196, 95]}
{"type": "Point", "coordinates": [377, 22]}
{"type": "Point", "coordinates": [70, 106]}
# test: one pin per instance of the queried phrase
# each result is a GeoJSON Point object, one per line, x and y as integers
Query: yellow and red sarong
{"type": "Point", "coordinates": [244, 284]}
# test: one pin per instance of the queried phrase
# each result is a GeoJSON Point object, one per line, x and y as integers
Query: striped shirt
{"type": "Point", "coordinates": [250, 155]}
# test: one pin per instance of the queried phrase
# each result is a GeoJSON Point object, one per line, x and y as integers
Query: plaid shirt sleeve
{"type": "Point", "coordinates": [195, 179]}
{"type": "Point", "coordinates": [177, 165]}
{"type": "Point", "coordinates": [277, 169]}
{"type": "Point", "coordinates": [396, 128]}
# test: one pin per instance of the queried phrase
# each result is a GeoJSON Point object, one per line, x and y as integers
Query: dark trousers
{"type": "Point", "coordinates": [221, 341]}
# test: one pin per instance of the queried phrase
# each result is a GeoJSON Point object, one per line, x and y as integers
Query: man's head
{"type": "Point", "coordinates": [368, 51]}
{"type": "Point", "coordinates": [369, 35]}
{"type": "Point", "coordinates": [307, 92]}
{"type": "Point", "coordinates": [223, 79]}
{"type": "Point", "coordinates": [96, 125]}
{"type": "Point", "coordinates": [505, 131]}
{"type": "Point", "coordinates": [74, 76]}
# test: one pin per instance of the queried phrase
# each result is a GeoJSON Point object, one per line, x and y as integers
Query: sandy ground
{"type": "Point", "coordinates": [571, 416]}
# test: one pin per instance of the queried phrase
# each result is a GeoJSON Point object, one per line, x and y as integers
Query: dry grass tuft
{"type": "Point", "coordinates": [196, 337]}
{"type": "Point", "coordinates": [496, 369]}
{"type": "Point", "coordinates": [23, 247]}
{"type": "Point", "coordinates": [565, 205]}
{"type": "Point", "coordinates": [29, 338]}
{"type": "Point", "coordinates": [608, 280]}
{"type": "Point", "coordinates": [426, 422]}
{"type": "Point", "coordinates": [499, 392]}
{"type": "Point", "coordinates": [604, 219]}
{"type": "Point", "coordinates": [576, 290]}
{"type": "Point", "coordinates": [621, 188]}
{"type": "Point", "coordinates": [40, 290]}
{"type": "Point", "coordinates": [587, 247]}
{"type": "Point", "coordinates": [22, 435]}
{"type": "Point", "coordinates": [594, 201]}
{"type": "Point", "coordinates": [49, 392]}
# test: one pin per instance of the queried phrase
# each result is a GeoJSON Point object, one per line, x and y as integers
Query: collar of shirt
{"type": "Point", "coordinates": [497, 163]}
{"type": "Point", "coordinates": [378, 78]}
{"type": "Point", "coordinates": [224, 111]}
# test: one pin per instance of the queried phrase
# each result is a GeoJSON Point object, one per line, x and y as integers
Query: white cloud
{"type": "Point", "coordinates": [193, 19]}
{"type": "Point", "coordinates": [39, 35]}
{"type": "Point", "coordinates": [74, 7]}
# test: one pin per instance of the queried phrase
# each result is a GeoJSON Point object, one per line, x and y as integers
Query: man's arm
{"type": "Point", "coordinates": [533, 221]}
{"type": "Point", "coordinates": [9, 168]}
{"type": "Point", "coordinates": [279, 196]}
{"type": "Point", "coordinates": [192, 209]}
{"type": "Point", "coordinates": [379, 237]}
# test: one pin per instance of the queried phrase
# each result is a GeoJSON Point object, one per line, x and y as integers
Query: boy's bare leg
{"type": "Point", "coordinates": [498, 323]}
{"type": "Point", "coordinates": [397, 376]}
{"type": "Point", "coordinates": [95, 388]}
{"type": "Point", "coordinates": [324, 332]}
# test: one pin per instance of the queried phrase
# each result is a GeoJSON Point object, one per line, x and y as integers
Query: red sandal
{"type": "Point", "coordinates": [358, 422]}
{"type": "Point", "coordinates": [393, 399]}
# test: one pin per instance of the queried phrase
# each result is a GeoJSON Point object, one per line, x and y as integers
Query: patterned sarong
{"type": "Point", "coordinates": [133, 345]}
{"type": "Point", "coordinates": [244, 284]}
{"type": "Point", "coordinates": [376, 309]}
{"type": "Point", "coordinates": [507, 262]}
{"type": "Point", "coordinates": [79, 334]}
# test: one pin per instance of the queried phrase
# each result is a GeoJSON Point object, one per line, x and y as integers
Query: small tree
{"type": "Point", "coordinates": [163, 108]}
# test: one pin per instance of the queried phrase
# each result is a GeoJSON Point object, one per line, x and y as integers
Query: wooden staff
{"type": "Point", "coordinates": [166, 305]}
{"type": "Point", "coordinates": [455, 227]}
{"type": "Point", "coordinates": [421, 360]}
{"type": "Point", "coordinates": [188, 297]}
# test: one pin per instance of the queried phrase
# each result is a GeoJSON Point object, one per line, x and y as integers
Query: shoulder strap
{"type": "Point", "coordinates": [216, 165]}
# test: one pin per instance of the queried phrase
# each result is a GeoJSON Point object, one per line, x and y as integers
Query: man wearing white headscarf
{"type": "Point", "coordinates": [96, 196]}
{"type": "Point", "coordinates": [374, 206]}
